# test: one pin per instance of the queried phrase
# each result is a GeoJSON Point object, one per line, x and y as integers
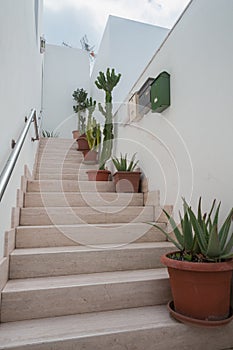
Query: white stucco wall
{"type": "Point", "coordinates": [126, 46]}
{"type": "Point", "coordinates": [65, 70]}
{"type": "Point", "coordinates": [20, 89]}
{"type": "Point", "coordinates": [187, 150]}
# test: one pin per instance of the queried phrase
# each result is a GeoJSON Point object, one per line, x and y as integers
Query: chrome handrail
{"type": "Point", "coordinates": [10, 164]}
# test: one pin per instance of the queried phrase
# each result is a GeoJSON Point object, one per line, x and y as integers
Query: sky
{"type": "Point", "coordinates": [69, 20]}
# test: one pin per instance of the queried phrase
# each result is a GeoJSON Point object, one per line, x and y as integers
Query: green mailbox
{"type": "Point", "coordinates": [160, 93]}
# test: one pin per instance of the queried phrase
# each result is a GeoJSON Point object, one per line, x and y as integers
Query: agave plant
{"type": "Point", "coordinates": [121, 163]}
{"type": "Point", "coordinates": [52, 134]}
{"type": "Point", "coordinates": [199, 238]}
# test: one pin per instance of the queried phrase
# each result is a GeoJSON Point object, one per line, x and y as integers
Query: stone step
{"type": "Point", "coordinates": [32, 298]}
{"type": "Point", "coordinates": [85, 215]}
{"type": "Point", "coordinates": [67, 165]}
{"type": "Point", "coordinates": [76, 176]}
{"type": "Point", "coordinates": [76, 168]}
{"type": "Point", "coordinates": [62, 261]}
{"type": "Point", "coordinates": [72, 235]}
{"type": "Point", "coordinates": [74, 199]}
{"type": "Point", "coordinates": [70, 186]}
{"type": "Point", "coordinates": [142, 328]}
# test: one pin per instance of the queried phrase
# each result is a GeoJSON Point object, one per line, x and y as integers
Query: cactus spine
{"type": "Point", "coordinates": [107, 82]}
{"type": "Point", "coordinates": [80, 96]}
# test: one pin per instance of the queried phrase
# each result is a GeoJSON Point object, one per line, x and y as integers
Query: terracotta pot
{"type": "Point", "coordinates": [200, 290]}
{"type": "Point", "coordinates": [76, 134]}
{"type": "Point", "coordinates": [98, 175]}
{"type": "Point", "coordinates": [82, 143]}
{"type": "Point", "coordinates": [127, 181]}
{"type": "Point", "coordinates": [90, 156]}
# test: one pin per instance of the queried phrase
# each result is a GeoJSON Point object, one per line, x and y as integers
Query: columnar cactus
{"type": "Point", "coordinates": [80, 96]}
{"type": "Point", "coordinates": [93, 128]}
{"type": "Point", "coordinates": [107, 82]}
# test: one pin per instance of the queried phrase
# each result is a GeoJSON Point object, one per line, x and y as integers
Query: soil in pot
{"type": "Point", "coordinates": [127, 181]}
{"type": "Point", "coordinates": [200, 290]}
{"type": "Point", "coordinates": [98, 175]}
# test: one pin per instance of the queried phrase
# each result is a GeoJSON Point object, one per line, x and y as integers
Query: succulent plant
{"type": "Point", "coordinates": [80, 96]}
{"type": "Point", "coordinates": [121, 163]}
{"type": "Point", "coordinates": [107, 82]}
{"type": "Point", "coordinates": [199, 238]}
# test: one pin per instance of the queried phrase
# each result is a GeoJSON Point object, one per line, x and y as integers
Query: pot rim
{"type": "Point", "coordinates": [127, 172]}
{"type": "Point", "coordinates": [196, 266]}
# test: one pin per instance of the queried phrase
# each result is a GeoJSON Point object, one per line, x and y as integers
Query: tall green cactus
{"type": "Point", "coordinates": [107, 82]}
{"type": "Point", "coordinates": [80, 96]}
{"type": "Point", "coordinates": [93, 128]}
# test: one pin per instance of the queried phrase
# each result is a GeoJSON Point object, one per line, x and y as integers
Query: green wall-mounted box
{"type": "Point", "coordinates": [160, 93]}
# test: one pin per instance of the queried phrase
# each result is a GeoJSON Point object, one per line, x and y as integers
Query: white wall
{"type": "Point", "coordinates": [187, 150]}
{"type": "Point", "coordinates": [65, 70]}
{"type": "Point", "coordinates": [126, 46]}
{"type": "Point", "coordinates": [20, 89]}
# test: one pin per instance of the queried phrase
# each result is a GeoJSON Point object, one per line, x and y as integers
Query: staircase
{"type": "Point", "coordinates": [86, 270]}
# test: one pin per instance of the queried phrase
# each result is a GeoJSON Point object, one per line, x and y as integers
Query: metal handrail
{"type": "Point", "coordinates": [10, 164]}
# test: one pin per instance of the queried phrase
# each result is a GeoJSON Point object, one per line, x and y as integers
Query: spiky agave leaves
{"type": "Point", "coordinates": [199, 238]}
{"type": "Point", "coordinates": [121, 164]}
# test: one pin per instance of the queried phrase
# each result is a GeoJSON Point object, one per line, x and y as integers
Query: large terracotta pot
{"type": "Point", "coordinates": [82, 143]}
{"type": "Point", "coordinates": [98, 175]}
{"type": "Point", "coordinates": [76, 134]}
{"type": "Point", "coordinates": [200, 290]}
{"type": "Point", "coordinates": [90, 156]}
{"type": "Point", "coordinates": [127, 181]}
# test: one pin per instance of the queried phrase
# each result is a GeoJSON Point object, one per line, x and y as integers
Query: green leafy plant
{"type": "Point", "coordinates": [107, 82]}
{"type": "Point", "coordinates": [122, 164]}
{"type": "Point", "coordinates": [80, 96]}
{"type": "Point", "coordinates": [46, 133]}
{"type": "Point", "coordinates": [93, 128]}
{"type": "Point", "coordinates": [199, 238]}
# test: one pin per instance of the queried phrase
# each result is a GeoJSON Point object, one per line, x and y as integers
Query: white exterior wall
{"type": "Point", "coordinates": [20, 90]}
{"type": "Point", "coordinates": [187, 150]}
{"type": "Point", "coordinates": [126, 46]}
{"type": "Point", "coordinates": [65, 70]}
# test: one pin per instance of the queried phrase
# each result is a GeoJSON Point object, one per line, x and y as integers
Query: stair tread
{"type": "Point", "coordinates": [67, 327]}
{"type": "Point", "coordinates": [41, 283]}
{"type": "Point", "coordinates": [110, 225]}
{"type": "Point", "coordinates": [103, 247]}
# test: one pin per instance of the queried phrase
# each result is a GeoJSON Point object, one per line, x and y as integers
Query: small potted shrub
{"type": "Point", "coordinates": [80, 96]}
{"type": "Point", "coordinates": [105, 82]}
{"type": "Point", "coordinates": [126, 179]}
{"type": "Point", "coordinates": [201, 270]}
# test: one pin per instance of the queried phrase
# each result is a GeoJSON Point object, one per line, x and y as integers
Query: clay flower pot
{"type": "Point", "coordinates": [127, 181]}
{"type": "Point", "coordinates": [201, 291]}
{"type": "Point", "coordinates": [76, 134]}
{"type": "Point", "coordinates": [90, 156]}
{"type": "Point", "coordinates": [82, 143]}
{"type": "Point", "coordinates": [98, 175]}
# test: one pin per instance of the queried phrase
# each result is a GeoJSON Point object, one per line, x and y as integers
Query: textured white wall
{"type": "Point", "coordinates": [65, 70]}
{"type": "Point", "coordinates": [126, 46]}
{"type": "Point", "coordinates": [187, 150]}
{"type": "Point", "coordinates": [20, 89]}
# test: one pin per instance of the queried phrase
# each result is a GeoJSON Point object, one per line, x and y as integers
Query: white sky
{"type": "Point", "coordinates": [69, 20]}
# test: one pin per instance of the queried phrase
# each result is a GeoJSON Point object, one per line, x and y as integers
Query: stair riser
{"type": "Point", "coordinates": [81, 200]}
{"type": "Point", "coordinates": [78, 176]}
{"type": "Point", "coordinates": [71, 263]}
{"type": "Point", "coordinates": [33, 237]}
{"type": "Point", "coordinates": [66, 186]}
{"type": "Point", "coordinates": [84, 215]}
{"type": "Point", "coordinates": [66, 169]}
{"type": "Point", "coordinates": [28, 305]}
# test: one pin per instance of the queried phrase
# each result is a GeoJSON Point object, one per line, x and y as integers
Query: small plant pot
{"type": "Point", "coordinates": [90, 157]}
{"type": "Point", "coordinates": [127, 181]}
{"type": "Point", "coordinates": [201, 291]}
{"type": "Point", "coordinates": [76, 134]}
{"type": "Point", "coordinates": [98, 175]}
{"type": "Point", "coordinates": [82, 143]}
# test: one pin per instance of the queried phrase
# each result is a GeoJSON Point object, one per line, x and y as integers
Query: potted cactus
{"type": "Point", "coordinates": [93, 134]}
{"type": "Point", "coordinates": [201, 270]}
{"type": "Point", "coordinates": [126, 179]}
{"type": "Point", "coordinates": [80, 96]}
{"type": "Point", "coordinates": [105, 81]}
